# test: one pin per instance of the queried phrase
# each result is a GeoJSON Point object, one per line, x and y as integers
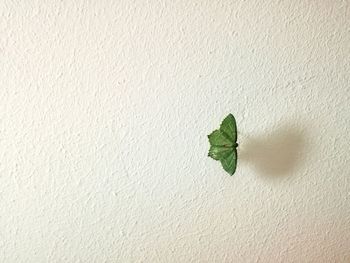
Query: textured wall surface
{"type": "Point", "coordinates": [104, 111]}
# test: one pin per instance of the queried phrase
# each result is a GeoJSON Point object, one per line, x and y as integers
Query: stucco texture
{"type": "Point", "coordinates": [105, 108]}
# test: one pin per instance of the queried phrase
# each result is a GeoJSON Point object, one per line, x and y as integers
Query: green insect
{"type": "Point", "coordinates": [223, 145]}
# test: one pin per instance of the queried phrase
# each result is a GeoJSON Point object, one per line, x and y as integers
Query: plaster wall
{"type": "Point", "coordinates": [104, 111]}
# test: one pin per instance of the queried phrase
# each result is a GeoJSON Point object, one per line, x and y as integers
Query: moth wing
{"type": "Point", "coordinates": [229, 162]}
{"type": "Point", "coordinates": [228, 128]}
{"type": "Point", "coordinates": [217, 138]}
{"type": "Point", "coordinates": [219, 152]}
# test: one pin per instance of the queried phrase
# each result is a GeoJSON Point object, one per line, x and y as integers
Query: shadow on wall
{"type": "Point", "coordinates": [277, 154]}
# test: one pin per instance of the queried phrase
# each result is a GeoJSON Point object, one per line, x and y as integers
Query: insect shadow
{"type": "Point", "coordinates": [276, 154]}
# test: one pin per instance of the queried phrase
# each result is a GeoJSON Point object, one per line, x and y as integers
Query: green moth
{"type": "Point", "coordinates": [223, 144]}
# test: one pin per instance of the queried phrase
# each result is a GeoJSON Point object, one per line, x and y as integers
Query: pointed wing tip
{"type": "Point", "coordinates": [230, 115]}
{"type": "Point", "coordinates": [231, 173]}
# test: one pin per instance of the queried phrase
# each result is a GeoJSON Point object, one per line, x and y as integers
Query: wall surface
{"type": "Point", "coordinates": [105, 107]}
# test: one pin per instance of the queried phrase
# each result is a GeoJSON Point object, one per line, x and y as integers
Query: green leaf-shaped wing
{"type": "Point", "coordinates": [228, 128]}
{"type": "Point", "coordinates": [219, 152]}
{"type": "Point", "coordinates": [229, 162]}
{"type": "Point", "coordinates": [218, 138]}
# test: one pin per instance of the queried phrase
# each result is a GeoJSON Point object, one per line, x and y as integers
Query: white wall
{"type": "Point", "coordinates": [104, 111]}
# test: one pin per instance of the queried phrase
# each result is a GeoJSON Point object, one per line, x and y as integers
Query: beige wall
{"type": "Point", "coordinates": [104, 111]}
